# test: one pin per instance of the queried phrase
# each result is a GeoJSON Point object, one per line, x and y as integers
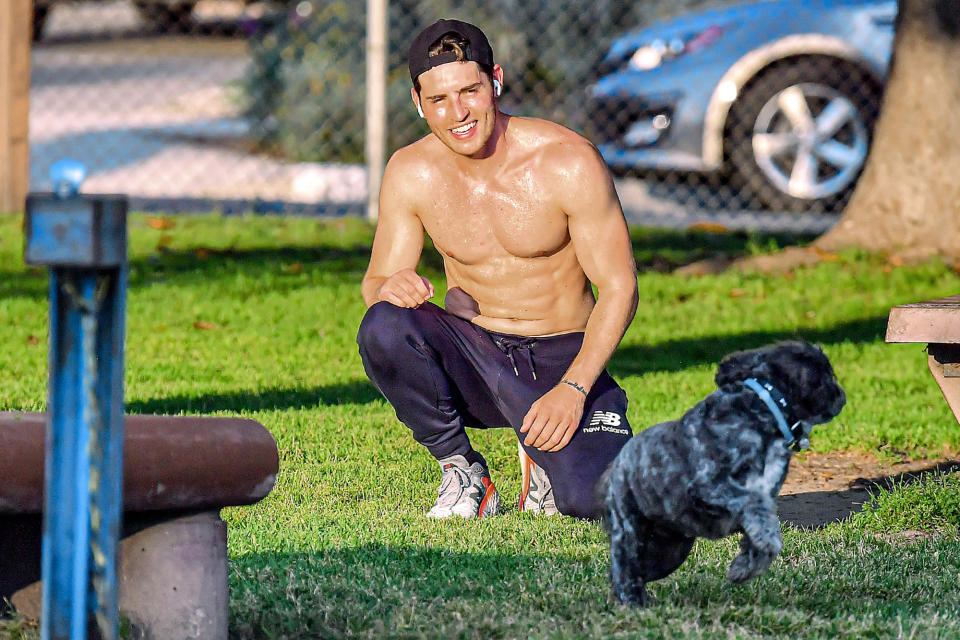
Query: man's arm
{"type": "Point", "coordinates": [391, 275]}
{"type": "Point", "coordinates": [601, 240]}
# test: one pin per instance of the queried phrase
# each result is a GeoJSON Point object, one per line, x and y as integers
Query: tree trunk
{"type": "Point", "coordinates": [907, 201]}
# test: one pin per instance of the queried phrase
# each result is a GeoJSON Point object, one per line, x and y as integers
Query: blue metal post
{"type": "Point", "coordinates": [83, 241]}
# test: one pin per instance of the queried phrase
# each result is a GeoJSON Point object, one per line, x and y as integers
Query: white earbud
{"type": "Point", "coordinates": [497, 87]}
{"type": "Point", "coordinates": [420, 110]}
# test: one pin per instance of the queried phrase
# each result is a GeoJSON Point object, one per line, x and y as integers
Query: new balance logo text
{"type": "Point", "coordinates": [608, 418]}
{"type": "Point", "coordinates": [606, 421]}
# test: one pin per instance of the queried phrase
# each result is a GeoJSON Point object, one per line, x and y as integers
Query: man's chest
{"type": "Point", "coordinates": [476, 222]}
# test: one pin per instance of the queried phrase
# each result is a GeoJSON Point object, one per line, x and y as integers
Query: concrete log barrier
{"type": "Point", "coordinates": [169, 462]}
{"type": "Point", "coordinates": [178, 472]}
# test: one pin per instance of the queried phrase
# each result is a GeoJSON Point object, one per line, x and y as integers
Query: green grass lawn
{"type": "Point", "coordinates": [257, 317]}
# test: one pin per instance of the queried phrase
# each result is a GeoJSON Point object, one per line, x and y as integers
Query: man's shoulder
{"type": "Point", "coordinates": [546, 132]}
{"type": "Point", "coordinates": [554, 143]}
{"type": "Point", "coordinates": [415, 162]}
{"type": "Point", "coordinates": [559, 151]}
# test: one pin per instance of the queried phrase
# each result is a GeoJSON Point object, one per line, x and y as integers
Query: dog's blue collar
{"type": "Point", "coordinates": [777, 403]}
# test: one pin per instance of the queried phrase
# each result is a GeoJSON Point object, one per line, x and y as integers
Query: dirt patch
{"type": "Point", "coordinates": [843, 470]}
{"type": "Point", "coordinates": [827, 487]}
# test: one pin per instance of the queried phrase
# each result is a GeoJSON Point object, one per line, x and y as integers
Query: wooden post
{"type": "Point", "coordinates": [376, 112]}
{"type": "Point", "coordinates": [15, 21]}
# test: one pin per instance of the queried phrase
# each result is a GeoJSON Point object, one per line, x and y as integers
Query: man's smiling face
{"type": "Point", "coordinates": [458, 102]}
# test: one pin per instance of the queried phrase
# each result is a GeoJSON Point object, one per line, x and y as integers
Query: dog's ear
{"type": "Point", "coordinates": [737, 367]}
{"type": "Point", "coordinates": [809, 380]}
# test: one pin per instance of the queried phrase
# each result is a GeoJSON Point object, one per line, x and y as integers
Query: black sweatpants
{"type": "Point", "coordinates": [442, 373]}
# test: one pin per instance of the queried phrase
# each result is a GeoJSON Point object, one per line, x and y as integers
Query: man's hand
{"type": "Point", "coordinates": [405, 288]}
{"type": "Point", "coordinates": [553, 419]}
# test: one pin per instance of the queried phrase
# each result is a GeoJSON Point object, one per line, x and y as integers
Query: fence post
{"type": "Point", "coordinates": [15, 21]}
{"type": "Point", "coordinates": [82, 239]}
{"type": "Point", "coordinates": [376, 111]}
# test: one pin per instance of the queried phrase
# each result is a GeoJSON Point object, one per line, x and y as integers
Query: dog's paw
{"type": "Point", "coordinates": [742, 569]}
{"type": "Point", "coordinates": [636, 596]}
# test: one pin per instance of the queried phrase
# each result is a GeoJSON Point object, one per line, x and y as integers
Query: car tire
{"type": "Point", "coordinates": [166, 17]}
{"type": "Point", "coordinates": [798, 135]}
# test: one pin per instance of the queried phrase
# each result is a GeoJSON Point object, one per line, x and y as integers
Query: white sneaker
{"type": "Point", "coordinates": [536, 492]}
{"type": "Point", "coordinates": [465, 491]}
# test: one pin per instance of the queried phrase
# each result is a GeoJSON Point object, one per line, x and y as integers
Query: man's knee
{"type": "Point", "coordinates": [581, 503]}
{"type": "Point", "coordinates": [385, 327]}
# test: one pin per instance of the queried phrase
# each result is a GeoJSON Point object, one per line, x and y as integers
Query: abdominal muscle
{"type": "Point", "coordinates": [539, 296]}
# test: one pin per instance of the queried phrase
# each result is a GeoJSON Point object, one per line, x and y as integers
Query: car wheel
{"type": "Point", "coordinates": [166, 17]}
{"type": "Point", "coordinates": [799, 134]}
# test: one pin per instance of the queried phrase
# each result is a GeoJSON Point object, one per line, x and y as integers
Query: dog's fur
{"type": "Point", "coordinates": [715, 471]}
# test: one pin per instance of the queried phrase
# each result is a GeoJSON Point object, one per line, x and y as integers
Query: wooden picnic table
{"type": "Point", "coordinates": [937, 323]}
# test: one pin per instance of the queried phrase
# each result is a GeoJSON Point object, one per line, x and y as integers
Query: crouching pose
{"type": "Point", "coordinates": [525, 217]}
{"type": "Point", "coordinates": [718, 469]}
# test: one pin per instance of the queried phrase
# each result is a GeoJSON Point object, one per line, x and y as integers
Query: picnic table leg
{"type": "Point", "coordinates": [944, 363]}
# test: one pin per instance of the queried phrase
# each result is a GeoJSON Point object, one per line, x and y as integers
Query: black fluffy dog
{"type": "Point", "coordinates": [718, 469]}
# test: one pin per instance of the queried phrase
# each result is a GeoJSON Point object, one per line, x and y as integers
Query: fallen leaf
{"type": "Point", "coordinates": [31, 339]}
{"type": "Point", "coordinates": [826, 256]}
{"type": "Point", "coordinates": [895, 260]}
{"type": "Point", "coordinates": [206, 326]}
{"type": "Point", "coordinates": [160, 224]}
{"type": "Point", "coordinates": [164, 240]}
{"type": "Point", "coordinates": [296, 267]}
{"type": "Point", "coordinates": [202, 253]}
{"type": "Point", "coordinates": [160, 327]}
{"type": "Point", "coordinates": [736, 293]}
{"type": "Point", "coordinates": [710, 227]}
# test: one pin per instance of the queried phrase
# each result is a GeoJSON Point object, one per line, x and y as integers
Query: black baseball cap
{"type": "Point", "coordinates": [420, 60]}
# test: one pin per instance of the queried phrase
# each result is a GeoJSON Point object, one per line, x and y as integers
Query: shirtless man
{"type": "Point", "coordinates": [524, 213]}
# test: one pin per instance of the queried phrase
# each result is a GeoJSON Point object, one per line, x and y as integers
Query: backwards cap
{"type": "Point", "coordinates": [420, 60]}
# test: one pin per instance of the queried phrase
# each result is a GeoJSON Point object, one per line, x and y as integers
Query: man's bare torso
{"type": "Point", "coordinates": [502, 230]}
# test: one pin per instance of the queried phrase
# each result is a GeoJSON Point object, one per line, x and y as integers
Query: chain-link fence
{"type": "Point", "coordinates": [734, 110]}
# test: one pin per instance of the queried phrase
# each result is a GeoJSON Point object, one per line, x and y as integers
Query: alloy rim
{"type": "Point", "coordinates": [810, 141]}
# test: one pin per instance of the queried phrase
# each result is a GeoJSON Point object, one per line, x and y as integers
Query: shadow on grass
{"type": "Point", "coordinates": [630, 360]}
{"type": "Point", "coordinates": [202, 262]}
{"type": "Point", "coordinates": [413, 591]}
{"type": "Point", "coordinates": [358, 392]}
{"type": "Point", "coordinates": [367, 589]}
{"type": "Point", "coordinates": [817, 509]}
{"type": "Point", "coordinates": [676, 355]}
{"type": "Point", "coordinates": [32, 283]}
{"type": "Point", "coordinates": [663, 250]}
{"type": "Point", "coordinates": [654, 249]}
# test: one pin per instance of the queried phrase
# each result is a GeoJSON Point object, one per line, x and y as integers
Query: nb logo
{"type": "Point", "coordinates": [608, 418]}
